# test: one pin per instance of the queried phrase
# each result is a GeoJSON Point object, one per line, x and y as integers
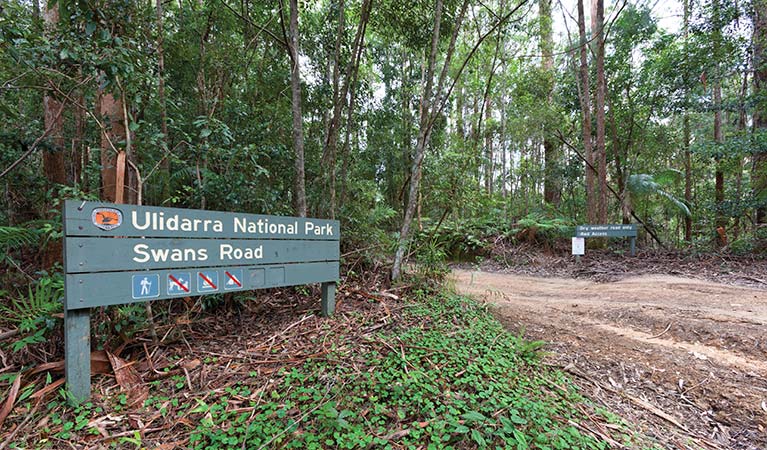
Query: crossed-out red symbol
{"type": "Point", "coordinates": [234, 279]}
{"type": "Point", "coordinates": [181, 285]}
{"type": "Point", "coordinates": [207, 280]}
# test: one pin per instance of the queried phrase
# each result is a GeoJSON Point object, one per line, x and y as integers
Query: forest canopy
{"type": "Point", "coordinates": [398, 118]}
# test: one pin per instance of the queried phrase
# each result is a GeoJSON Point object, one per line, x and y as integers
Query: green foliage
{"type": "Point", "coordinates": [465, 239]}
{"type": "Point", "coordinates": [33, 313]}
{"type": "Point", "coordinates": [431, 262]}
{"type": "Point", "coordinates": [458, 380]}
{"type": "Point", "coordinates": [537, 228]}
{"type": "Point", "coordinates": [14, 238]}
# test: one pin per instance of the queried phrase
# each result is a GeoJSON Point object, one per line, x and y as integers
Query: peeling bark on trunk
{"type": "Point", "coordinates": [111, 111]}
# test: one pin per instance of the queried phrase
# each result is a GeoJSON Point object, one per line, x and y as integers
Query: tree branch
{"type": "Point", "coordinates": [474, 49]}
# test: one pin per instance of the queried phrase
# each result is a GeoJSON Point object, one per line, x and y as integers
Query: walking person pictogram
{"type": "Point", "coordinates": [146, 286]}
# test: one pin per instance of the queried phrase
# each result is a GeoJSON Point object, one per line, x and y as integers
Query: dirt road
{"type": "Point", "coordinates": [683, 360]}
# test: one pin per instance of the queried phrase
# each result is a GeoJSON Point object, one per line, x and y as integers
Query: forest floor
{"type": "Point", "coordinates": [411, 366]}
{"type": "Point", "coordinates": [651, 339]}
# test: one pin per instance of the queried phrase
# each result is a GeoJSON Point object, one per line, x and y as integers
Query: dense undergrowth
{"type": "Point", "coordinates": [471, 239]}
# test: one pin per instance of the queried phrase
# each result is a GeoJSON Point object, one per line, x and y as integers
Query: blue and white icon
{"type": "Point", "coordinates": [233, 279]}
{"type": "Point", "coordinates": [207, 281]}
{"type": "Point", "coordinates": [179, 283]}
{"type": "Point", "coordinates": [146, 286]}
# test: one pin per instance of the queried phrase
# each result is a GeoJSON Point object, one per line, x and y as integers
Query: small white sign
{"type": "Point", "coordinates": [579, 246]}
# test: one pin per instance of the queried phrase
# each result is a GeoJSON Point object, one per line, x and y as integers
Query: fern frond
{"type": "Point", "coordinates": [16, 237]}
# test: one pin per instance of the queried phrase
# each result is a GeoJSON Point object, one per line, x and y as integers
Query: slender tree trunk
{"type": "Point", "coordinates": [54, 167]}
{"type": "Point", "coordinates": [421, 143]}
{"type": "Point", "coordinates": [86, 182]}
{"type": "Point", "coordinates": [687, 176]}
{"type": "Point", "coordinates": [132, 189]}
{"type": "Point", "coordinates": [342, 91]}
{"type": "Point", "coordinates": [742, 118]}
{"type": "Point", "coordinates": [760, 115]}
{"type": "Point", "coordinates": [551, 185]}
{"type": "Point", "coordinates": [299, 185]}
{"type": "Point", "coordinates": [591, 197]}
{"type": "Point", "coordinates": [597, 27]}
{"type": "Point", "coordinates": [720, 219]}
{"type": "Point", "coordinates": [459, 124]}
{"type": "Point", "coordinates": [329, 152]}
{"type": "Point", "coordinates": [407, 157]}
{"type": "Point", "coordinates": [489, 157]}
{"type": "Point", "coordinates": [476, 152]}
{"type": "Point", "coordinates": [503, 149]}
{"type": "Point", "coordinates": [78, 163]}
{"type": "Point", "coordinates": [686, 131]}
{"type": "Point", "coordinates": [620, 174]}
{"type": "Point", "coordinates": [350, 88]}
{"type": "Point", "coordinates": [165, 162]}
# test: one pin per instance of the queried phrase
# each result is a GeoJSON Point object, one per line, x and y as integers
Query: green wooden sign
{"type": "Point", "coordinates": [115, 254]}
{"type": "Point", "coordinates": [609, 230]}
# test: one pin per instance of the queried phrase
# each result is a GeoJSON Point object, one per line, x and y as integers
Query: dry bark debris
{"type": "Point", "coordinates": [129, 380]}
{"type": "Point", "coordinates": [684, 359]}
{"type": "Point", "coordinates": [606, 265]}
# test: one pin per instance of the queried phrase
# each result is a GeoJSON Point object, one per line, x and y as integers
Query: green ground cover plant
{"type": "Point", "coordinates": [455, 380]}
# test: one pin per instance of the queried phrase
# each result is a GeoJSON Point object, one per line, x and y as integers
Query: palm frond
{"type": "Point", "coordinates": [643, 184]}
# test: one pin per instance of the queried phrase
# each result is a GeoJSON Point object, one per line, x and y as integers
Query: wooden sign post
{"type": "Point", "coordinates": [170, 252]}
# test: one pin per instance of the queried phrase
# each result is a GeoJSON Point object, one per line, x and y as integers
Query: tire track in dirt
{"type": "Point", "coordinates": [694, 349]}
